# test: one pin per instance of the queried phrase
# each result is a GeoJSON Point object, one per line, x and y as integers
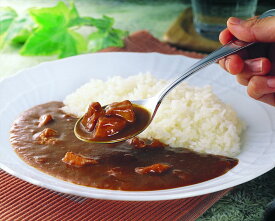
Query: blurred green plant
{"type": "Point", "coordinates": [52, 31]}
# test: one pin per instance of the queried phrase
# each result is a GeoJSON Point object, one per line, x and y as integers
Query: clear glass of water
{"type": "Point", "coordinates": [210, 16]}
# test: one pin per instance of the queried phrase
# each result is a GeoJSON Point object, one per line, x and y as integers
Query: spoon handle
{"type": "Point", "coordinates": [230, 48]}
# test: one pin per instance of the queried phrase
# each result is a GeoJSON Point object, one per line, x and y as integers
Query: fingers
{"type": "Point", "coordinates": [245, 68]}
{"type": "Point", "coordinates": [234, 64]}
{"type": "Point", "coordinates": [251, 68]}
{"type": "Point", "coordinates": [257, 66]}
{"type": "Point", "coordinates": [225, 36]}
{"type": "Point", "coordinates": [262, 88]}
{"type": "Point", "coordinates": [259, 30]}
{"type": "Point", "coordinates": [253, 29]}
{"type": "Point", "coordinates": [251, 73]}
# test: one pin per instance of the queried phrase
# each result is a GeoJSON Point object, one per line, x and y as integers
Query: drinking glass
{"type": "Point", "coordinates": [210, 16]}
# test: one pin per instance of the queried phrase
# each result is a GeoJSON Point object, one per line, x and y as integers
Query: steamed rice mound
{"type": "Point", "coordinates": [189, 116]}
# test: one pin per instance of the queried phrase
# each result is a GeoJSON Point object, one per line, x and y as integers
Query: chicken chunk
{"type": "Point", "coordinates": [108, 126]}
{"type": "Point", "coordinates": [45, 119]}
{"type": "Point", "coordinates": [91, 116]}
{"type": "Point", "coordinates": [137, 143]}
{"type": "Point", "coordinates": [140, 143]}
{"type": "Point", "coordinates": [157, 168]}
{"type": "Point", "coordinates": [122, 109]}
{"type": "Point", "coordinates": [109, 121]}
{"type": "Point", "coordinates": [47, 136]}
{"type": "Point", "coordinates": [77, 160]}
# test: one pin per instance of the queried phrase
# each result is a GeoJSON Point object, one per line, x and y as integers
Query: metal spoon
{"type": "Point", "coordinates": [152, 104]}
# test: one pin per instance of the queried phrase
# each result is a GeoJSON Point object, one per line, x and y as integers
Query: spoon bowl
{"type": "Point", "coordinates": [152, 104]}
{"type": "Point", "coordinates": [143, 118]}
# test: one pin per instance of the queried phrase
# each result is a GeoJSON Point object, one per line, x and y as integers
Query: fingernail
{"type": "Point", "coordinates": [271, 82]}
{"type": "Point", "coordinates": [256, 66]}
{"type": "Point", "coordinates": [234, 21]}
{"type": "Point", "coordinates": [226, 64]}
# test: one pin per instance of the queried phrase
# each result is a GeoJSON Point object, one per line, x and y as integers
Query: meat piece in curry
{"type": "Point", "coordinates": [116, 120]}
{"type": "Point", "coordinates": [140, 143]}
{"type": "Point", "coordinates": [90, 118]}
{"type": "Point", "coordinates": [109, 121]}
{"type": "Point", "coordinates": [47, 136]}
{"type": "Point", "coordinates": [45, 119]}
{"type": "Point", "coordinates": [77, 160]}
{"type": "Point", "coordinates": [122, 109]}
{"type": "Point", "coordinates": [108, 126]}
{"type": "Point", "coordinates": [157, 168]}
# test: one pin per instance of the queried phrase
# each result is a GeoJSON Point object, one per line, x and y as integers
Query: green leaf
{"type": "Point", "coordinates": [73, 14]}
{"type": "Point", "coordinates": [73, 44]}
{"type": "Point", "coordinates": [7, 16]}
{"type": "Point", "coordinates": [103, 24]}
{"type": "Point", "coordinates": [51, 31]}
{"type": "Point", "coordinates": [19, 30]}
{"type": "Point", "coordinates": [21, 37]}
{"type": "Point", "coordinates": [81, 42]}
{"type": "Point", "coordinates": [50, 17]}
{"type": "Point", "coordinates": [108, 38]}
{"type": "Point", "coordinates": [39, 43]}
{"type": "Point", "coordinates": [54, 35]}
{"type": "Point", "coordinates": [62, 42]}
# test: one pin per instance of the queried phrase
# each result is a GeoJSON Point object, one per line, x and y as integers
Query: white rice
{"type": "Point", "coordinates": [189, 116]}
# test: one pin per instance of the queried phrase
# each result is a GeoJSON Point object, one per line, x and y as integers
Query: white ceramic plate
{"type": "Point", "coordinates": [54, 80]}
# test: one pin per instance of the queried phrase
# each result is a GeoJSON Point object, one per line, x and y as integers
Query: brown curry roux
{"type": "Point", "coordinates": [120, 166]}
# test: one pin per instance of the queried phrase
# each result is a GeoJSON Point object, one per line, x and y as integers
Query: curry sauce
{"type": "Point", "coordinates": [44, 142]}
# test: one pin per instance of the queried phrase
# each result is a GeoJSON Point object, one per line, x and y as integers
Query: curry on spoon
{"type": "Point", "coordinates": [112, 123]}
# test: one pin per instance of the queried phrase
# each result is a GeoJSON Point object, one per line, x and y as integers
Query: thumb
{"type": "Point", "coordinates": [259, 30]}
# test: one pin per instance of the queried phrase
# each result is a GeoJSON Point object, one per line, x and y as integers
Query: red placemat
{"type": "Point", "coordinates": [20, 200]}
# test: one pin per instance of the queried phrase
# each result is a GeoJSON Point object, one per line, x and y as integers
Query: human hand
{"type": "Point", "coordinates": [254, 67]}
